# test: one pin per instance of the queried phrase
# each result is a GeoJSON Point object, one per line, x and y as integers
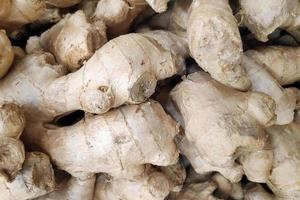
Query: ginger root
{"type": "Point", "coordinates": [262, 19]}
{"type": "Point", "coordinates": [73, 40]}
{"type": "Point", "coordinates": [16, 13]}
{"type": "Point", "coordinates": [72, 189]}
{"type": "Point", "coordinates": [215, 42]}
{"type": "Point", "coordinates": [150, 185]}
{"type": "Point", "coordinates": [118, 15]}
{"type": "Point", "coordinates": [6, 54]}
{"type": "Point", "coordinates": [220, 123]}
{"type": "Point", "coordinates": [281, 62]}
{"type": "Point", "coordinates": [119, 142]}
{"type": "Point", "coordinates": [113, 76]}
{"type": "Point", "coordinates": [262, 81]}
{"type": "Point", "coordinates": [278, 164]}
{"type": "Point", "coordinates": [12, 153]}
{"type": "Point", "coordinates": [35, 179]}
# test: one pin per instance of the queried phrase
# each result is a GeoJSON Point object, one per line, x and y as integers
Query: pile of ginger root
{"type": "Point", "coordinates": [149, 100]}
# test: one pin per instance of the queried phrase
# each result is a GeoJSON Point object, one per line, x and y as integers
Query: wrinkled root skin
{"type": "Point", "coordinates": [281, 62]}
{"type": "Point", "coordinates": [113, 76]}
{"type": "Point", "coordinates": [211, 110]}
{"type": "Point", "coordinates": [262, 19]}
{"type": "Point", "coordinates": [150, 185]}
{"type": "Point", "coordinates": [35, 179]}
{"type": "Point", "coordinates": [119, 142]}
{"type": "Point", "coordinates": [215, 43]}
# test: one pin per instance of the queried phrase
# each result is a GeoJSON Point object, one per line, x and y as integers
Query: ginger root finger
{"type": "Point", "coordinates": [215, 42]}
{"type": "Point", "coordinates": [35, 179]}
{"type": "Point", "coordinates": [220, 123]}
{"type": "Point", "coordinates": [119, 142]}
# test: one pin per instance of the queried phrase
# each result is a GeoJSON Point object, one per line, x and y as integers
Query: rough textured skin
{"type": "Point", "coordinates": [257, 193]}
{"type": "Point", "coordinates": [34, 180]}
{"type": "Point", "coordinates": [282, 62]}
{"type": "Point", "coordinates": [158, 5]}
{"type": "Point", "coordinates": [150, 185]}
{"type": "Point", "coordinates": [262, 81]}
{"type": "Point", "coordinates": [215, 42]}
{"type": "Point", "coordinates": [12, 120]}
{"type": "Point", "coordinates": [278, 165]}
{"type": "Point", "coordinates": [63, 3]}
{"type": "Point", "coordinates": [285, 144]}
{"type": "Point", "coordinates": [119, 142]}
{"type": "Point", "coordinates": [12, 153]}
{"type": "Point", "coordinates": [113, 76]}
{"type": "Point", "coordinates": [118, 15]}
{"type": "Point", "coordinates": [198, 191]}
{"type": "Point", "coordinates": [264, 17]}
{"type": "Point", "coordinates": [257, 164]}
{"type": "Point", "coordinates": [73, 189]}
{"type": "Point", "coordinates": [22, 12]}
{"type": "Point", "coordinates": [74, 40]}
{"type": "Point", "coordinates": [6, 54]}
{"type": "Point", "coordinates": [221, 123]}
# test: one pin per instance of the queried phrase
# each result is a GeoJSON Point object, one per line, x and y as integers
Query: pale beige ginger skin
{"type": "Point", "coordinates": [257, 164]}
{"type": "Point", "coordinates": [74, 39]}
{"type": "Point", "coordinates": [285, 173]}
{"type": "Point", "coordinates": [262, 81]}
{"type": "Point", "coordinates": [118, 15]}
{"type": "Point", "coordinates": [28, 95]}
{"type": "Point", "coordinates": [215, 42]}
{"type": "Point", "coordinates": [33, 45]}
{"type": "Point", "coordinates": [35, 179]}
{"type": "Point", "coordinates": [158, 5]}
{"type": "Point", "coordinates": [258, 193]}
{"type": "Point", "coordinates": [6, 54]}
{"type": "Point", "coordinates": [149, 185]}
{"type": "Point", "coordinates": [20, 12]}
{"type": "Point", "coordinates": [113, 76]}
{"type": "Point", "coordinates": [72, 189]}
{"type": "Point", "coordinates": [63, 3]}
{"type": "Point", "coordinates": [278, 165]}
{"type": "Point", "coordinates": [263, 18]}
{"type": "Point", "coordinates": [220, 123]}
{"type": "Point", "coordinates": [12, 156]}
{"type": "Point", "coordinates": [119, 142]}
{"type": "Point", "coordinates": [12, 120]}
{"type": "Point", "coordinates": [12, 153]}
{"type": "Point", "coordinates": [282, 62]}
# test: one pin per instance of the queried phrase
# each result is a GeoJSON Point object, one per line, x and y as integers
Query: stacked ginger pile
{"type": "Point", "coordinates": [149, 100]}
